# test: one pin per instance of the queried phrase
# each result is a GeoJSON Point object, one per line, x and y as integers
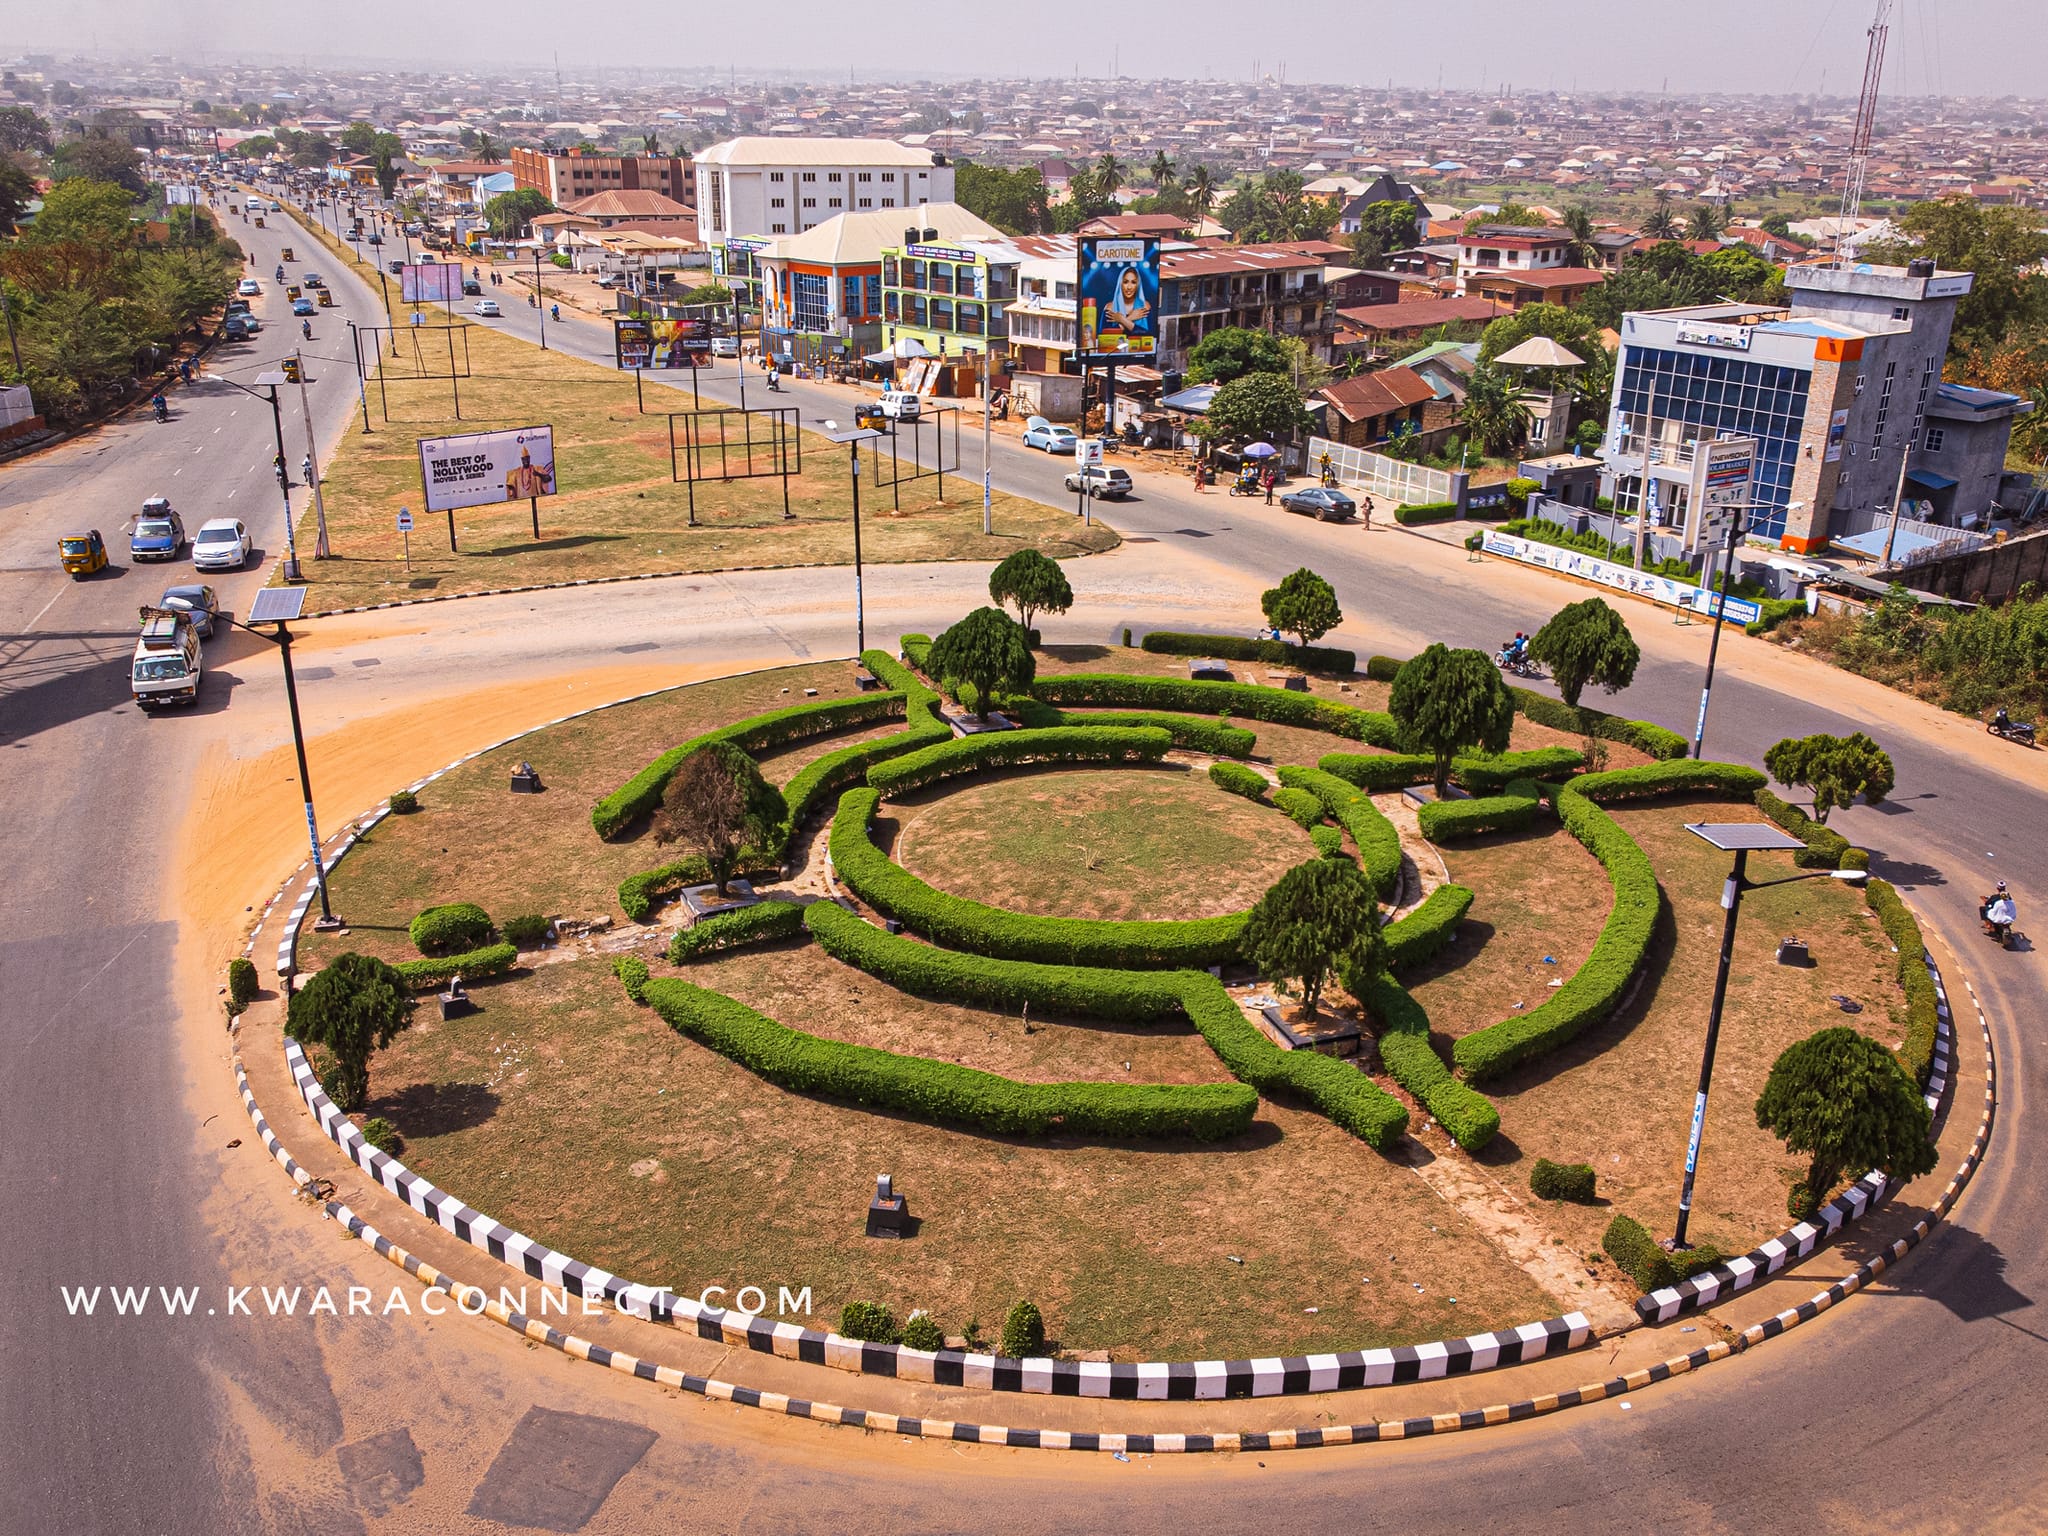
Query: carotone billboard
{"type": "Point", "coordinates": [1118, 285]}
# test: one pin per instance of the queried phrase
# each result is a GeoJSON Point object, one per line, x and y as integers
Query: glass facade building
{"type": "Point", "coordinates": [1712, 396]}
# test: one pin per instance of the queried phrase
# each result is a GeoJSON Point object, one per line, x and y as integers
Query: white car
{"type": "Point", "coordinates": [248, 287]}
{"type": "Point", "coordinates": [488, 308]}
{"type": "Point", "coordinates": [900, 405]}
{"type": "Point", "coordinates": [222, 544]}
{"type": "Point", "coordinates": [725, 346]}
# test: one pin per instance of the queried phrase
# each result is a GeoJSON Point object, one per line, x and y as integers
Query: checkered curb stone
{"type": "Point", "coordinates": [1857, 1201]}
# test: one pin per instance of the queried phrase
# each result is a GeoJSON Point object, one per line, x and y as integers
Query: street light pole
{"type": "Point", "coordinates": [291, 695]}
{"type": "Point", "coordinates": [321, 551]}
{"type": "Point", "coordinates": [853, 439]}
{"type": "Point", "coordinates": [540, 298]}
{"type": "Point", "coordinates": [284, 487]}
{"type": "Point", "coordinates": [1736, 529]}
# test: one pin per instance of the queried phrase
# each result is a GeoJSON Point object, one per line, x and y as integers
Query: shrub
{"type": "Point", "coordinates": [1773, 611]}
{"type": "Point", "coordinates": [1002, 749]}
{"type": "Point", "coordinates": [404, 802]}
{"type": "Point", "coordinates": [943, 1091]}
{"type": "Point", "coordinates": [1249, 701]}
{"type": "Point", "coordinates": [1916, 1052]}
{"type": "Point", "coordinates": [1299, 805]}
{"type": "Point", "coordinates": [242, 984]}
{"type": "Point", "coordinates": [1238, 780]}
{"type": "Point", "coordinates": [958, 923]}
{"type": "Point", "coordinates": [1023, 1333]}
{"type": "Point", "coordinates": [455, 925]}
{"type": "Point", "coordinates": [638, 893]}
{"type": "Point", "coordinates": [489, 960]}
{"type": "Point", "coordinates": [868, 1321]}
{"type": "Point", "coordinates": [921, 1333]}
{"type": "Point", "coordinates": [383, 1135]}
{"type": "Point", "coordinates": [1377, 772]}
{"type": "Point", "coordinates": [1491, 775]}
{"type": "Point", "coordinates": [1825, 849]}
{"type": "Point", "coordinates": [1382, 669]}
{"type": "Point", "coordinates": [916, 648]}
{"type": "Point", "coordinates": [1424, 932]}
{"type": "Point", "coordinates": [1426, 512]}
{"type": "Point", "coordinates": [528, 932]}
{"type": "Point", "coordinates": [354, 1005]}
{"type": "Point", "coordinates": [1842, 1099]}
{"type": "Point", "coordinates": [1411, 1061]}
{"type": "Point", "coordinates": [1379, 845]}
{"type": "Point", "coordinates": [1519, 490]}
{"type": "Point", "coordinates": [1339, 1090]}
{"type": "Point", "coordinates": [1310, 658]}
{"type": "Point", "coordinates": [1447, 701]}
{"type": "Point", "coordinates": [1328, 840]}
{"type": "Point", "coordinates": [982, 656]}
{"type": "Point", "coordinates": [729, 930]}
{"type": "Point", "coordinates": [1630, 1245]}
{"type": "Point", "coordinates": [1562, 1181]}
{"type": "Point", "coordinates": [1596, 988]}
{"type": "Point", "coordinates": [1444, 821]}
{"type": "Point", "coordinates": [1190, 733]}
{"type": "Point", "coordinates": [633, 976]}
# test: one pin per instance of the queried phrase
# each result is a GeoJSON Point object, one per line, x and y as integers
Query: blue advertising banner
{"type": "Point", "coordinates": [1118, 289]}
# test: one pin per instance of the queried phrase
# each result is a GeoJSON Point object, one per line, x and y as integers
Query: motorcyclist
{"type": "Point", "coordinates": [554, 311]}
{"type": "Point", "coordinates": [306, 327]}
{"type": "Point", "coordinates": [283, 475]}
{"type": "Point", "coordinates": [306, 469]}
{"type": "Point", "coordinates": [158, 404]}
{"type": "Point", "coordinates": [532, 302]}
{"type": "Point", "coordinates": [1999, 913]}
{"type": "Point", "coordinates": [280, 272]}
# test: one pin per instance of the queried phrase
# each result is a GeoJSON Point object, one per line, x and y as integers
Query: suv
{"type": "Point", "coordinates": [159, 532]}
{"type": "Point", "coordinates": [900, 405]}
{"type": "Point", "coordinates": [1105, 480]}
{"type": "Point", "coordinates": [167, 664]}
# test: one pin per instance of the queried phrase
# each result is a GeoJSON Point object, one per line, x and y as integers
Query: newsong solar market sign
{"type": "Point", "coordinates": [1659, 589]}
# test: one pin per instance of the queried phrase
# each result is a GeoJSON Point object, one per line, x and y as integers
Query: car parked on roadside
{"type": "Point", "coordinates": [222, 544]}
{"type": "Point", "coordinates": [159, 532]}
{"type": "Point", "coordinates": [1040, 433]}
{"type": "Point", "coordinates": [1324, 502]}
{"type": "Point", "coordinates": [248, 287]}
{"type": "Point", "coordinates": [900, 405]}
{"type": "Point", "coordinates": [1104, 480]}
{"type": "Point", "coordinates": [197, 602]}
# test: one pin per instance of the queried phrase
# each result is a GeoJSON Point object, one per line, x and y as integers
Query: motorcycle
{"type": "Point", "coordinates": [161, 410]}
{"type": "Point", "coordinates": [2021, 731]}
{"type": "Point", "coordinates": [1516, 663]}
{"type": "Point", "coordinates": [2001, 931]}
{"type": "Point", "coordinates": [306, 327]}
{"type": "Point", "coordinates": [1243, 487]}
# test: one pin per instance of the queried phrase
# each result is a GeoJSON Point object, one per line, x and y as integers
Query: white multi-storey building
{"type": "Point", "coordinates": [764, 186]}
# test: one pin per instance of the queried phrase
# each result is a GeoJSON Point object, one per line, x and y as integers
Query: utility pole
{"type": "Point", "coordinates": [320, 549]}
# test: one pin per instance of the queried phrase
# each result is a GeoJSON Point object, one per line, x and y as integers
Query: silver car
{"type": "Point", "coordinates": [222, 544]}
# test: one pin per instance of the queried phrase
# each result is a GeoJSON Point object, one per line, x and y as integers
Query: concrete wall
{"type": "Point", "coordinates": [1992, 574]}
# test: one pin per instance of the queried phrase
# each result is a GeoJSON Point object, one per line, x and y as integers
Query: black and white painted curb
{"type": "Point", "coordinates": [1192, 1381]}
{"type": "Point", "coordinates": [1854, 1203]}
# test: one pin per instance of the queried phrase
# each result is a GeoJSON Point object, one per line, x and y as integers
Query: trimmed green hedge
{"type": "Point", "coordinates": [1238, 780]}
{"type": "Point", "coordinates": [451, 927]}
{"type": "Point", "coordinates": [1630, 1245]}
{"type": "Point", "coordinates": [729, 930]}
{"type": "Point", "coordinates": [243, 984]}
{"type": "Point", "coordinates": [1298, 805]}
{"type": "Point", "coordinates": [1378, 773]}
{"type": "Point", "coordinates": [1916, 1052]}
{"type": "Point", "coordinates": [1379, 845]}
{"type": "Point", "coordinates": [1190, 733]}
{"type": "Point", "coordinates": [1411, 1061]}
{"type": "Point", "coordinates": [1252, 701]}
{"type": "Point", "coordinates": [1773, 611]}
{"type": "Point", "coordinates": [637, 893]}
{"type": "Point", "coordinates": [1337, 1089]}
{"type": "Point", "coordinates": [958, 923]}
{"type": "Point", "coordinates": [1426, 512]}
{"type": "Point", "coordinates": [915, 648]}
{"type": "Point", "coordinates": [1003, 749]}
{"type": "Point", "coordinates": [1423, 932]}
{"type": "Point", "coordinates": [1382, 669]}
{"type": "Point", "coordinates": [491, 960]}
{"type": "Point", "coordinates": [1310, 658]}
{"type": "Point", "coordinates": [943, 1091]}
{"type": "Point", "coordinates": [639, 795]}
{"type": "Point", "coordinates": [633, 976]}
{"type": "Point", "coordinates": [1444, 821]}
{"type": "Point", "coordinates": [1328, 840]}
{"type": "Point", "coordinates": [1491, 775]}
{"type": "Point", "coordinates": [1596, 989]}
{"type": "Point", "coordinates": [1825, 848]}
{"type": "Point", "coordinates": [1563, 1181]}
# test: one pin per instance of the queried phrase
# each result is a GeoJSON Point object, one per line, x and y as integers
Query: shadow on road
{"type": "Point", "coordinates": [1966, 1274]}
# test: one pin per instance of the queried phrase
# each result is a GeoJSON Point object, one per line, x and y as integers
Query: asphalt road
{"type": "Point", "coordinates": [1912, 1409]}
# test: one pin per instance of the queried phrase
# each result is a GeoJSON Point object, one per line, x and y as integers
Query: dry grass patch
{"type": "Point", "coordinates": [1116, 843]}
{"type": "Point", "coordinates": [538, 1108]}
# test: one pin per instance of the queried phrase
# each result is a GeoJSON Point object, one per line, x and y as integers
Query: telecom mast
{"type": "Point", "coordinates": [1858, 169]}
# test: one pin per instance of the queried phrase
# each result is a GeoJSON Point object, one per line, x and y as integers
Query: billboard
{"type": "Point", "coordinates": [645, 342]}
{"type": "Point", "coordinates": [1610, 573]}
{"type": "Point", "coordinates": [1118, 289]}
{"type": "Point", "coordinates": [430, 282]}
{"type": "Point", "coordinates": [483, 468]}
{"type": "Point", "coordinates": [180, 195]}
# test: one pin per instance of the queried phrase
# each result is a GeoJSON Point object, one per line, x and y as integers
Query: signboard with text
{"type": "Point", "coordinates": [430, 282]}
{"type": "Point", "coordinates": [483, 468]}
{"type": "Point", "coordinates": [1117, 287]}
{"type": "Point", "coordinates": [640, 341]}
{"type": "Point", "coordinates": [1659, 589]}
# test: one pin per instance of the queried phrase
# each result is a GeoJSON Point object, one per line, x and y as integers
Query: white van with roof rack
{"type": "Point", "coordinates": [167, 661]}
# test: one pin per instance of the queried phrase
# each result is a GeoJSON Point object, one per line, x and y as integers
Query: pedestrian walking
{"type": "Point", "coordinates": [1368, 514]}
{"type": "Point", "coordinates": [1269, 487]}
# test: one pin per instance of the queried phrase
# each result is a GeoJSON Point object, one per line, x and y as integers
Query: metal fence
{"type": "Point", "coordinates": [1375, 473]}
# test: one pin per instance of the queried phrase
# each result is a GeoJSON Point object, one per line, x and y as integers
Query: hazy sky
{"type": "Point", "coordinates": [1951, 47]}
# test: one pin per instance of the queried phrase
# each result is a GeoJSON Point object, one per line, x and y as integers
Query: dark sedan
{"type": "Point", "coordinates": [199, 601]}
{"type": "Point", "coordinates": [1321, 501]}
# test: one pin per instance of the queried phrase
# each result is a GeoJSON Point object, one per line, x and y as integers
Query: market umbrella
{"type": "Point", "coordinates": [1259, 451]}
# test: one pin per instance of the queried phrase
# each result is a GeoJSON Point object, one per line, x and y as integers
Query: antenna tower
{"type": "Point", "coordinates": [1858, 170]}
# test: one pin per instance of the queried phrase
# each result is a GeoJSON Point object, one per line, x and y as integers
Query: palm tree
{"type": "Point", "coordinates": [1109, 173]}
{"type": "Point", "coordinates": [1201, 190]}
{"type": "Point", "coordinates": [651, 145]}
{"type": "Point", "coordinates": [487, 150]}
{"type": "Point", "coordinates": [1494, 414]}
{"type": "Point", "coordinates": [1582, 252]}
{"type": "Point", "coordinates": [1662, 223]}
{"type": "Point", "coordinates": [1162, 170]}
{"type": "Point", "coordinates": [1705, 222]}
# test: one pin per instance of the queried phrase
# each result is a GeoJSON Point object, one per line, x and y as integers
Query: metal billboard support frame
{"type": "Point", "coordinates": [783, 447]}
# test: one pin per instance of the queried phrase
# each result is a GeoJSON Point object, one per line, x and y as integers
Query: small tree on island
{"type": "Point", "coordinates": [354, 1005]}
{"type": "Point", "coordinates": [1032, 583]}
{"type": "Point", "coordinates": [986, 652]}
{"type": "Point", "coordinates": [1303, 605]}
{"type": "Point", "coordinates": [1585, 643]}
{"type": "Point", "coordinates": [1833, 769]}
{"type": "Point", "coordinates": [1447, 702]}
{"type": "Point", "coordinates": [1315, 916]}
{"type": "Point", "coordinates": [1256, 406]}
{"type": "Point", "coordinates": [717, 802]}
{"type": "Point", "coordinates": [1844, 1101]}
